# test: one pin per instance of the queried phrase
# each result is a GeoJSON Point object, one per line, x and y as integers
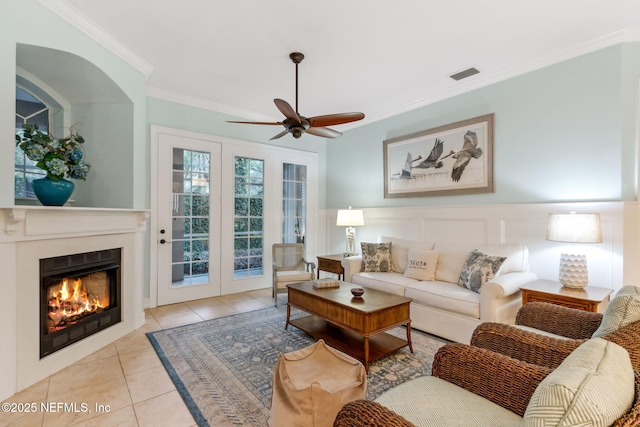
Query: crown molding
{"type": "Point", "coordinates": [626, 35]}
{"type": "Point", "coordinates": [167, 95]}
{"type": "Point", "coordinates": [84, 24]}
{"type": "Point", "coordinates": [630, 34]}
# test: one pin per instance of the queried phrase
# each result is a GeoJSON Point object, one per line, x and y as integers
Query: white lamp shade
{"type": "Point", "coordinates": [350, 218]}
{"type": "Point", "coordinates": [574, 228]}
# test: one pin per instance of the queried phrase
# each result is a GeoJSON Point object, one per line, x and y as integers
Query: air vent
{"type": "Point", "coordinates": [464, 74]}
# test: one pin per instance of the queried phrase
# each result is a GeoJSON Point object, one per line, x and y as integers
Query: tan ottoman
{"type": "Point", "coordinates": [311, 385]}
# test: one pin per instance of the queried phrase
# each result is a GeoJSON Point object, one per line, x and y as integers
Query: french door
{"type": "Point", "coordinates": [188, 218]}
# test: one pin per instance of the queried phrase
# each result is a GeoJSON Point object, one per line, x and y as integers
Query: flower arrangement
{"type": "Point", "coordinates": [58, 157]}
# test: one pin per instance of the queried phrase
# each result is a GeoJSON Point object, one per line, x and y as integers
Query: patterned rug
{"type": "Point", "coordinates": [223, 368]}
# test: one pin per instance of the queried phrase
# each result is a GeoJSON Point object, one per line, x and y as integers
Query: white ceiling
{"type": "Point", "coordinates": [380, 57]}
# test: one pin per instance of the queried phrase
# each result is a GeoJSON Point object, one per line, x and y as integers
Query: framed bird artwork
{"type": "Point", "coordinates": [443, 161]}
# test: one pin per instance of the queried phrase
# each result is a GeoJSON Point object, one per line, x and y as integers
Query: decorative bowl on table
{"type": "Point", "coordinates": [357, 292]}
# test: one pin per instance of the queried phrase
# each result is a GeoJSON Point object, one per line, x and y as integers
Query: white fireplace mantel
{"type": "Point", "coordinates": [31, 233]}
{"type": "Point", "coordinates": [42, 222]}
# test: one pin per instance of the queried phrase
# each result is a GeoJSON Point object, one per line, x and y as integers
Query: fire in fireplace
{"type": "Point", "coordinates": [68, 303]}
{"type": "Point", "coordinates": [80, 295]}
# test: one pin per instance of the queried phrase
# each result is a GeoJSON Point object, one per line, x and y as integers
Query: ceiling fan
{"type": "Point", "coordinates": [296, 125]}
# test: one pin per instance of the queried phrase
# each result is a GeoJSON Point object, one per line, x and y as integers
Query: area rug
{"type": "Point", "coordinates": [223, 368]}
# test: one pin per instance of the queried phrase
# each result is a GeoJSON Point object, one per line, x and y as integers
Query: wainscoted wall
{"type": "Point", "coordinates": [517, 223]}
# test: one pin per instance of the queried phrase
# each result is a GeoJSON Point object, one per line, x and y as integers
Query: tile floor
{"type": "Point", "coordinates": [127, 375]}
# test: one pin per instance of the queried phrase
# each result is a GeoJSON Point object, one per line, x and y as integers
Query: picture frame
{"type": "Point", "coordinates": [446, 160]}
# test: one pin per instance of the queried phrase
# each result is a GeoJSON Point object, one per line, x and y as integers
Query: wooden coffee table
{"type": "Point", "coordinates": [355, 326]}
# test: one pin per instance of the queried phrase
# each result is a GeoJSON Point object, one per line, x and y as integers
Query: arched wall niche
{"type": "Point", "coordinates": [92, 103]}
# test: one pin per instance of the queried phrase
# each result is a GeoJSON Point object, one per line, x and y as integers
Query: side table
{"type": "Point", "coordinates": [589, 298]}
{"type": "Point", "coordinates": [331, 264]}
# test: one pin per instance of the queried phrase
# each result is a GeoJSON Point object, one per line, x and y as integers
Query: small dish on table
{"type": "Point", "coordinates": [357, 292]}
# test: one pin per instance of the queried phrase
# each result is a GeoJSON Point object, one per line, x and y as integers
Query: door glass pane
{"type": "Point", "coordinates": [248, 217]}
{"type": "Point", "coordinates": [294, 202]}
{"type": "Point", "coordinates": [190, 226]}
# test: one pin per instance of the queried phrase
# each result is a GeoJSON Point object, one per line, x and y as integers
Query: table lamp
{"type": "Point", "coordinates": [350, 218]}
{"type": "Point", "coordinates": [574, 228]}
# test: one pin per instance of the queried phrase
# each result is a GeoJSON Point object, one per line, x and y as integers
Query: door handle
{"type": "Point", "coordinates": [163, 241]}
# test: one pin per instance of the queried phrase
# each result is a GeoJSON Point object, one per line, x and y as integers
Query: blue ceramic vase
{"type": "Point", "coordinates": [53, 193]}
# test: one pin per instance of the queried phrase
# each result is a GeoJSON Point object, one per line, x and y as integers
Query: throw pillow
{"type": "Point", "coordinates": [421, 264]}
{"type": "Point", "coordinates": [401, 249]}
{"type": "Point", "coordinates": [478, 269]}
{"type": "Point", "coordinates": [593, 386]}
{"type": "Point", "coordinates": [376, 257]}
{"type": "Point", "coordinates": [450, 265]}
{"type": "Point", "coordinates": [621, 311]}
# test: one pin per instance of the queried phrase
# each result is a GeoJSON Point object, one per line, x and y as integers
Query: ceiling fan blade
{"type": "Point", "coordinates": [280, 135]}
{"type": "Point", "coordinates": [287, 110]}
{"type": "Point", "coordinates": [325, 132]}
{"type": "Point", "coordinates": [256, 123]}
{"type": "Point", "coordinates": [335, 119]}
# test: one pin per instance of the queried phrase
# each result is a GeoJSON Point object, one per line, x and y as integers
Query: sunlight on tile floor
{"type": "Point", "coordinates": [127, 375]}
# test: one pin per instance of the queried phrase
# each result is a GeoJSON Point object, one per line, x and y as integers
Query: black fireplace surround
{"type": "Point", "coordinates": [105, 264]}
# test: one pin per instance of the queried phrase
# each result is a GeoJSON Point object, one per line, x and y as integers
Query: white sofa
{"type": "Point", "coordinates": [442, 307]}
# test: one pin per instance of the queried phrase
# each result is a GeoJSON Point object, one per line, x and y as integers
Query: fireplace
{"type": "Point", "coordinates": [80, 295]}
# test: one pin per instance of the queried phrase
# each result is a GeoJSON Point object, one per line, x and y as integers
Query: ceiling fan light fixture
{"type": "Point", "coordinates": [296, 124]}
{"type": "Point", "coordinates": [297, 132]}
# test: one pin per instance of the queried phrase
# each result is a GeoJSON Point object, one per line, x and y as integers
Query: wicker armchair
{"type": "Point", "coordinates": [575, 325]}
{"type": "Point", "coordinates": [505, 381]}
{"type": "Point", "coordinates": [559, 320]}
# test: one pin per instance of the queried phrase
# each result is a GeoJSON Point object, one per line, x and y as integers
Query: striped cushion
{"type": "Point", "coordinates": [431, 401]}
{"type": "Point", "coordinates": [593, 386]}
{"type": "Point", "coordinates": [623, 310]}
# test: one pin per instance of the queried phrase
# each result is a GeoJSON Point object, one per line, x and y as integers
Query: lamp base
{"type": "Point", "coordinates": [350, 241]}
{"type": "Point", "coordinates": [573, 271]}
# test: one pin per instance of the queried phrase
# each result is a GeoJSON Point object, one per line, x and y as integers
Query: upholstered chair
{"type": "Point", "coordinates": [289, 266]}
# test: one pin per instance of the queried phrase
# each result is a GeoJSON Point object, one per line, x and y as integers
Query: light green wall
{"type": "Point", "coordinates": [562, 133]}
{"type": "Point", "coordinates": [108, 129]}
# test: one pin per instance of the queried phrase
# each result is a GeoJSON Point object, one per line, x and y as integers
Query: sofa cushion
{"type": "Point", "coordinates": [622, 310]}
{"type": "Point", "coordinates": [593, 386]}
{"type": "Point", "coordinates": [376, 257]}
{"type": "Point", "coordinates": [445, 296]}
{"type": "Point", "coordinates": [478, 269]}
{"type": "Point", "coordinates": [517, 256]}
{"type": "Point", "coordinates": [400, 251]}
{"type": "Point", "coordinates": [421, 264]}
{"type": "Point", "coordinates": [450, 265]}
{"type": "Point", "coordinates": [541, 332]}
{"type": "Point", "coordinates": [431, 401]}
{"type": "Point", "coordinates": [394, 283]}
